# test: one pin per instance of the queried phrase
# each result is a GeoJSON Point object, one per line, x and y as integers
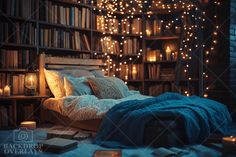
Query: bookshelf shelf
{"type": "Point", "coordinates": [159, 81]}
{"type": "Point", "coordinates": [62, 26]}
{"type": "Point", "coordinates": [17, 46]}
{"type": "Point", "coordinates": [161, 62]}
{"type": "Point", "coordinates": [15, 18]}
{"type": "Point", "coordinates": [162, 38]}
{"type": "Point", "coordinates": [134, 81]}
{"type": "Point", "coordinates": [14, 70]}
{"type": "Point", "coordinates": [68, 2]}
{"type": "Point", "coordinates": [63, 50]}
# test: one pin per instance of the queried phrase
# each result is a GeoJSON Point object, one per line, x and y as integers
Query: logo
{"type": "Point", "coordinates": [22, 135]}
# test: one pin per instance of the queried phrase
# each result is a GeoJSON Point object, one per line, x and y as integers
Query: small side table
{"type": "Point", "coordinates": [17, 100]}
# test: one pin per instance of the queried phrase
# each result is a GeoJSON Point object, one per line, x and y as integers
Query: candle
{"type": "Point", "coordinates": [1, 92]}
{"type": "Point", "coordinates": [168, 53]}
{"type": "Point", "coordinates": [229, 144]}
{"type": "Point", "coordinates": [28, 124]}
{"type": "Point", "coordinates": [7, 91]}
{"type": "Point", "coordinates": [134, 72]}
{"type": "Point", "coordinates": [161, 57]}
{"type": "Point", "coordinates": [31, 81]}
{"type": "Point", "coordinates": [126, 77]}
{"type": "Point", "coordinates": [148, 32]}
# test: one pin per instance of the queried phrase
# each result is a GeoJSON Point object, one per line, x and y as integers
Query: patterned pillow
{"type": "Point", "coordinates": [121, 85]}
{"type": "Point", "coordinates": [76, 86]}
{"type": "Point", "coordinates": [105, 88]}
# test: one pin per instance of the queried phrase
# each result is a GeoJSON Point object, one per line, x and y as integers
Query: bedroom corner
{"type": "Point", "coordinates": [112, 78]}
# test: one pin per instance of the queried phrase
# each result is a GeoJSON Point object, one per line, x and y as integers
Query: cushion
{"type": "Point", "coordinates": [121, 85]}
{"type": "Point", "coordinates": [76, 86]}
{"type": "Point", "coordinates": [55, 82]}
{"type": "Point", "coordinates": [108, 87]}
{"type": "Point", "coordinates": [98, 73]}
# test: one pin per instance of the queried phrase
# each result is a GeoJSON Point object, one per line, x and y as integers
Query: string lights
{"type": "Point", "coordinates": [134, 9]}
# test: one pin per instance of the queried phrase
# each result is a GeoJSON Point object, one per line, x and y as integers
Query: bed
{"type": "Point", "coordinates": [59, 109]}
{"type": "Point", "coordinates": [121, 116]}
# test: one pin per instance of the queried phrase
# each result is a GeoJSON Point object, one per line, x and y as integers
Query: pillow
{"type": "Point", "coordinates": [55, 82]}
{"type": "Point", "coordinates": [121, 85]}
{"type": "Point", "coordinates": [98, 73]}
{"type": "Point", "coordinates": [76, 86]}
{"type": "Point", "coordinates": [108, 87]}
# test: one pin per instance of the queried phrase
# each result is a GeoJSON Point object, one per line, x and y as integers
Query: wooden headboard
{"type": "Point", "coordinates": [61, 62]}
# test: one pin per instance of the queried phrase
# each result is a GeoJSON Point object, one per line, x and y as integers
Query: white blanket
{"type": "Point", "coordinates": [85, 107]}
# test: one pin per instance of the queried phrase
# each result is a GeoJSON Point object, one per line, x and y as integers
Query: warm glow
{"type": "Point", "coordinates": [7, 91]}
{"type": "Point", "coordinates": [28, 124]}
{"type": "Point", "coordinates": [168, 53]}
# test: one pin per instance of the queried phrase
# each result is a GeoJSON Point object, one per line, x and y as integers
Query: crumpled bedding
{"type": "Point", "coordinates": [86, 107]}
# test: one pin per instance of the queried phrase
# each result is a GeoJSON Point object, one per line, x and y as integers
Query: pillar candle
{"type": "Point", "coordinates": [7, 91]}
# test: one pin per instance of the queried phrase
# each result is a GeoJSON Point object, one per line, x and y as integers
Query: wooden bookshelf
{"type": "Point", "coordinates": [93, 33]}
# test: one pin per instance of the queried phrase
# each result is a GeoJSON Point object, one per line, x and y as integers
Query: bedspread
{"type": "Point", "coordinates": [123, 125]}
{"type": "Point", "coordinates": [86, 107]}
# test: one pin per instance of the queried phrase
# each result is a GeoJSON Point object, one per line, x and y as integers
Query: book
{"type": "Point", "coordinates": [61, 131]}
{"type": "Point", "coordinates": [58, 145]}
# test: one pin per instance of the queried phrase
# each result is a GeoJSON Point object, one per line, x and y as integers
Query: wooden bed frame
{"type": "Point", "coordinates": [60, 63]}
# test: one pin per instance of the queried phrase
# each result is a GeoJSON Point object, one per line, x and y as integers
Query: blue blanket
{"type": "Point", "coordinates": [123, 126]}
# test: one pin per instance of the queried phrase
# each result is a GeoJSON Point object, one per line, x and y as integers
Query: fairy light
{"type": "Point", "coordinates": [109, 23]}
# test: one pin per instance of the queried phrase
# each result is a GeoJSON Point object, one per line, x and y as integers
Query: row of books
{"type": "Point", "coordinates": [20, 8]}
{"type": "Point", "coordinates": [13, 59]}
{"type": "Point", "coordinates": [131, 72]}
{"type": "Point", "coordinates": [102, 24]}
{"type": "Point", "coordinates": [131, 46]}
{"type": "Point", "coordinates": [63, 39]}
{"type": "Point", "coordinates": [153, 71]}
{"type": "Point", "coordinates": [134, 27]}
{"type": "Point", "coordinates": [153, 27]}
{"type": "Point", "coordinates": [20, 33]}
{"type": "Point", "coordinates": [107, 45]}
{"type": "Point", "coordinates": [73, 16]}
{"type": "Point", "coordinates": [15, 81]}
{"type": "Point", "coordinates": [158, 89]}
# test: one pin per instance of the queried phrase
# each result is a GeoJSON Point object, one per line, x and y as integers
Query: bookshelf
{"type": "Point", "coordinates": [79, 29]}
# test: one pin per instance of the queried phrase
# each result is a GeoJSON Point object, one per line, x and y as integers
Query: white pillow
{"type": "Point", "coordinates": [76, 86]}
{"type": "Point", "coordinates": [55, 83]}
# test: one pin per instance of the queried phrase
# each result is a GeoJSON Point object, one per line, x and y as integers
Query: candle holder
{"type": "Point", "coordinates": [31, 83]}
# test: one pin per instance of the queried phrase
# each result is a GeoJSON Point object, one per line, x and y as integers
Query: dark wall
{"type": "Point", "coordinates": [233, 52]}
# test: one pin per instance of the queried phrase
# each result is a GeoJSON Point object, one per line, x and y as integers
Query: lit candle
{"type": "Point", "coordinates": [1, 92]}
{"type": "Point", "coordinates": [148, 32]}
{"type": "Point", "coordinates": [168, 53]}
{"type": "Point", "coordinates": [126, 77]}
{"type": "Point", "coordinates": [134, 72]}
{"type": "Point", "coordinates": [161, 57]}
{"type": "Point", "coordinates": [7, 91]}
{"type": "Point", "coordinates": [28, 124]}
{"type": "Point", "coordinates": [31, 81]}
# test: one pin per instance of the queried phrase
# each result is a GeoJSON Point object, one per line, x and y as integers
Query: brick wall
{"type": "Point", "coordinates": [233, 50]}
